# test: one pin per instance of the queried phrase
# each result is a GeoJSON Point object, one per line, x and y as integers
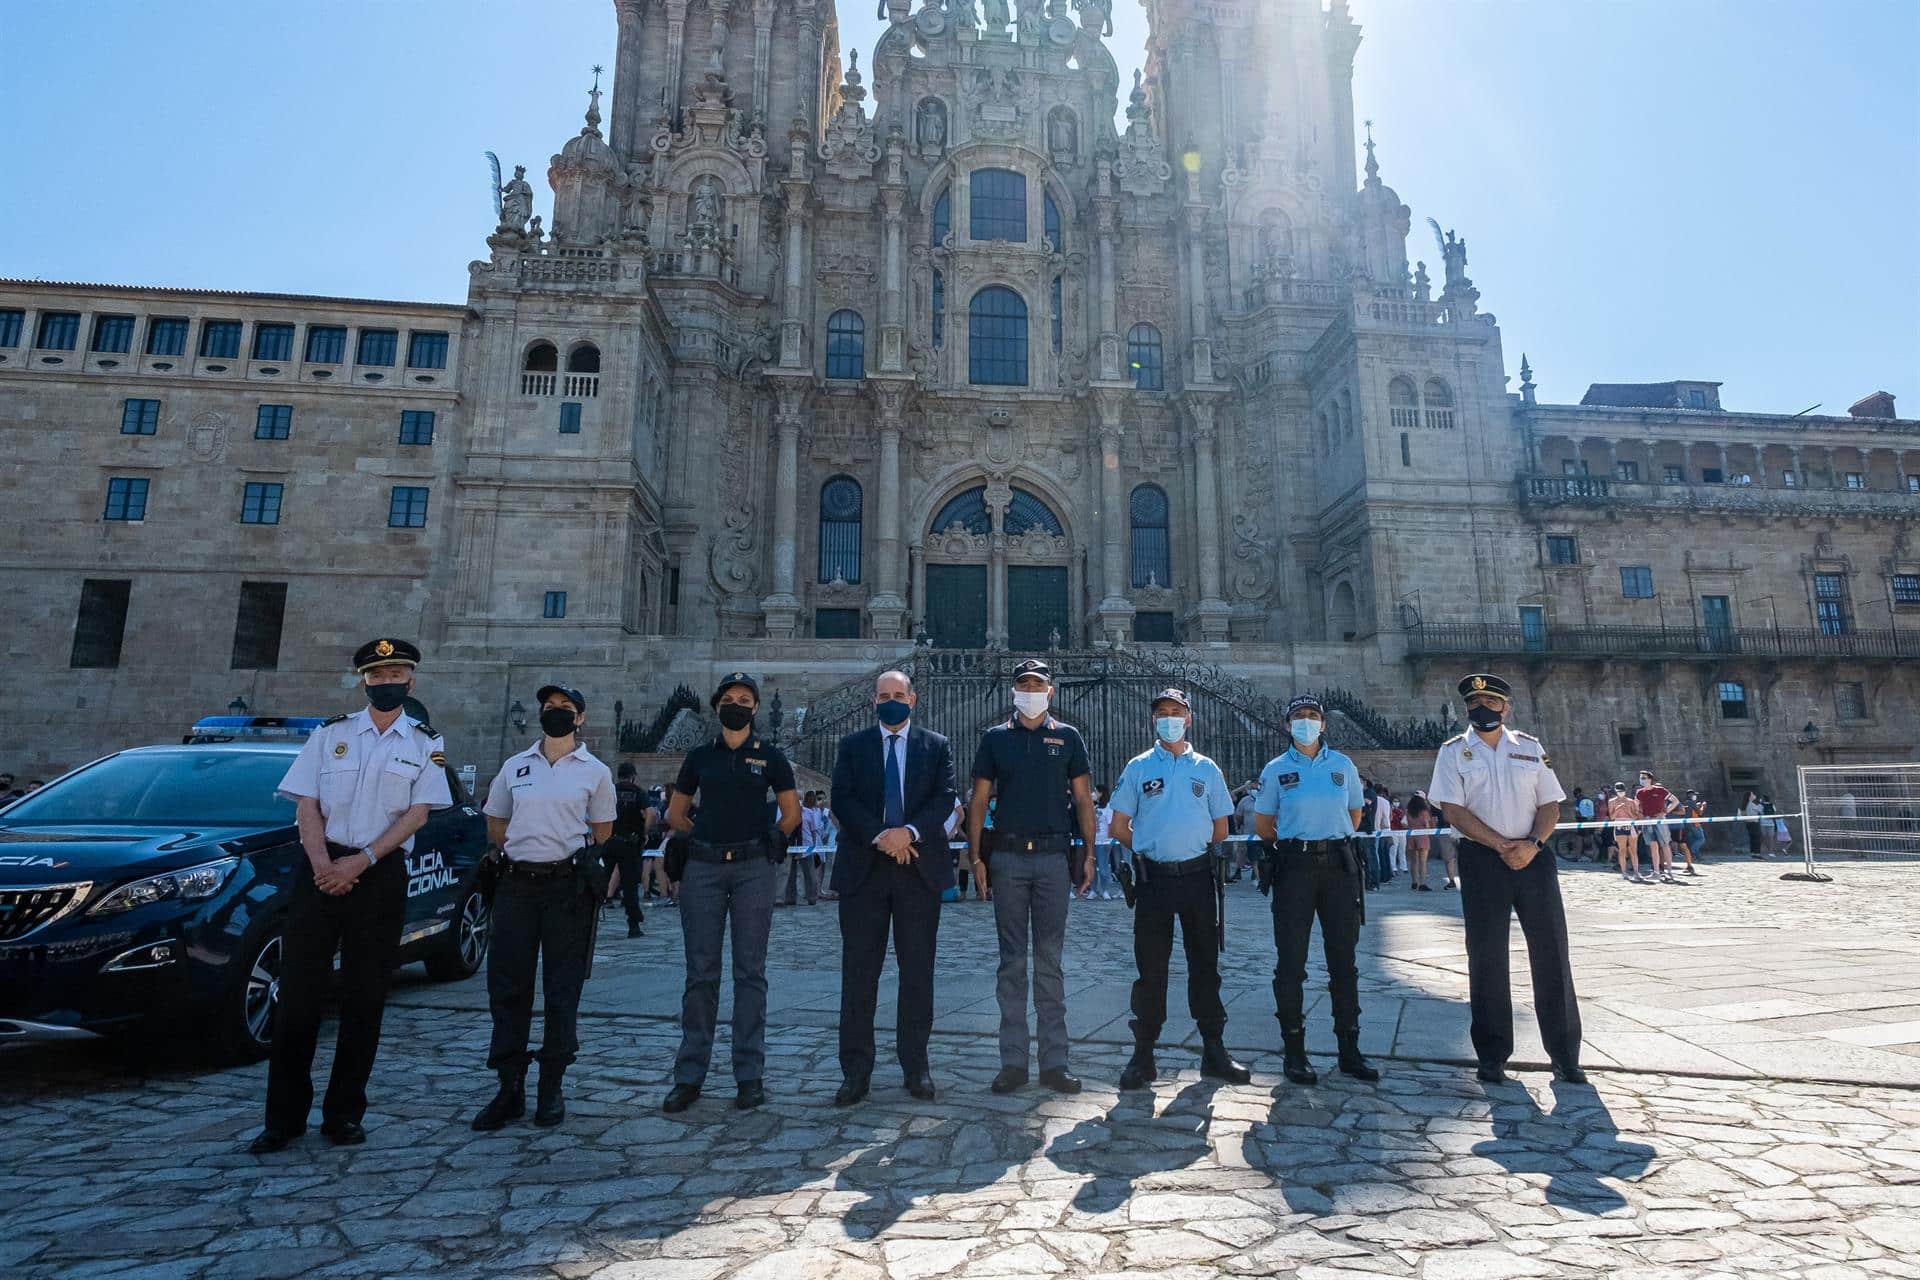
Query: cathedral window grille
{"type": "Point", "coordinates": [1439, 405]}
{"type": "Point", "coordinates": [1850, 700]}
{"type": "Point", "coordinates": [1145, 357]}
{"type": "Point", "coordinates": [1906, 590]}
{"type": "Point", "coordinates": [939, 309]}
{"type": "Point", "coordinates": [112, 334]}
{"type": "Point", "coordinates": [1403, 405]}
{"type": "Point", "coordinates": [273, 422]}
{"type": "Point", "coordinates": [407, 507]}
{"type": "Point", "coordinates": [220, 340]}
{"type": "Point", "coordinates": [377, 347]}
{"type": "Point", "coordinates": [59, 331]}
{"type": "Point", "coordinates": [426, 351]}
{"type": "Point", "coordinates": [846, 345]}
{"type": "Point", "coordinates": [1152, 558]}
{"type": "Point", "coordinates": [273, 342]}
{"type": "Point", "coordinates": [139, 417]}
{"type": "Point", "coordinates": [10, 321]}
{"type": "Point", "coordinates": [968, 510]}
{"type": "Point", "coordinates": [326, 344]}
{"type": "Point", "coordinates": [997, 338]}
{"type": "Point", "coordinates": [1026, 512]}
{"type": "Point", "coordinates": [260, 503]}
{"type": "Point", "coordinates": [942, 217]}
{"type": "Point", "coordinates": [1051, 212]}
{"type": "Point", "coordinates": [840, 503]}
{"type": "Point", "coordinates": [997, 205]}
{"type": "Point", "coordinates": [1057, 303]}
{"type": "Point", "coordinates": [1830, 604]}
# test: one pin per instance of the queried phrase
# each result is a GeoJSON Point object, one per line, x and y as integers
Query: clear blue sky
{"type": "Point", "coordinates": [1650, 189]}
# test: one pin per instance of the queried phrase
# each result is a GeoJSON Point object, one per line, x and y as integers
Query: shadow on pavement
{"type": "Point", "coordinates": [1575, 1145]}
{"type": "Point", "coordinates": [1113, 1151]}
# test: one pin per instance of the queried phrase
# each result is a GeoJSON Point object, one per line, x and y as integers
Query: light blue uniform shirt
{"type": "Point", "coordinates": [1172, 801]}
{"type": "Point", "coordinates": [1309, 797]}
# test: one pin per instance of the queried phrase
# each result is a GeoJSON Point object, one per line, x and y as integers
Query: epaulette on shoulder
{"type": "Point", "coordinates": [334, 719]}
{"type": "Point", "coordinates": [1529, 737]}
{"type": "Point", "coordinates": [1455, 738]}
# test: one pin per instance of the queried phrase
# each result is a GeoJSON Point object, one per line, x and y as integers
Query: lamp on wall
{"type": "Point", "coordinates": [239, 705]}
{"type": "Point", "coordinates": [518, 714]}
{"type": "Point", "coordinates": [1809, 735]}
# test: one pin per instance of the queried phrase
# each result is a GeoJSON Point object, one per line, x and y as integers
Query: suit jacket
{"type": "Point", "coordinates": [859, 804]}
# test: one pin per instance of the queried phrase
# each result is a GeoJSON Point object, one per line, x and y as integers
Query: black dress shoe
{"type": "Point", "coordinates": [1569, 1074]}
{"type": "Point", "coordinates": [1217, 1064]}
{"type": "Point", "coordinates": [749, 1095]}
{"type": "Point", "coordinates": [920, 1085]}
{"type": "Point", "coordinates": [680, 1097]}
{"type": "Point", "coordinates": [850, 1092]}
{"type": "Point", "coordinates": [1009, 1079]}
{"type": "Point", "coordinates": [1492, 1073]}
{"type": "Point", "coordinates": [550, 1108]}
{"type": "Point", "coordinates": [1060, 1080]}
{"type": "Point", "coordinates": [347, 1133]}
{"type": "Point", "coordinates": [271, 1140]}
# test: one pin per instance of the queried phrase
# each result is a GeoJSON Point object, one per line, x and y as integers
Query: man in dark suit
{"type": "Point", "coordinates": [893, 791]}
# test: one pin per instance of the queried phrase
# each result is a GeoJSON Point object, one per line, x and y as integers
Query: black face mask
{"type": "Point", "coordinates": [735, 716]}
{"type": "Point", "coordinates": [386, 697]}
{"type": "Point", "coordinates": [1485, 719]}
{"type": "Point", "coordinates": [556, 722]}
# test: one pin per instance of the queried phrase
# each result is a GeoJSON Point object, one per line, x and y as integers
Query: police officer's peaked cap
{"type": "Point", "coordinates": [1482, 682]}
{"type": "Point", "coordinates": [571, 695]}
{"type": "Point", "coordinates": [1171, 694]}
{"type": "Point", "coordinates": [1305, 702]}
{"type": "Point", "coordinates": [1034, 667]}
{"type": "Point", "coordinates": [385, 653]}
{"type": "Point", "coordinates": [731, 679]}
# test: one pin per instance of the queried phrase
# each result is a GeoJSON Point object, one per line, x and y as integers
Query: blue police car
{"type": "Point", "coordinates": [148, 889]}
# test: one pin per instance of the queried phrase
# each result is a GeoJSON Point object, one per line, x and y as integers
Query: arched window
{"type": "Point", "coordinates": [996, 205]}
{"type": "Point", "coordinates": [939, 309]}
{"type": "Point", "coordinates": [584, 358]}
{"type": "Point", "coordinates": [942, 220]}
{"type": "Point", "coordinates": [840, 530]}
{"type": "Point", "coordinates": [968, 510]}
{"type": "Point", "coordinates": [1342, 616]}
{"type": "Point", "coordinates": [1144, 357]}
{"type": "Point", "coordinates": [997, 338]}
{"type": "Point", "coordinates": [1051, 211]}
{"type": "Point", "coordinates": [1439, 405]}
{"type": "Point", "coordinates": [846, 346]}
{"type": "Point", "coordinates": [1152, 559]}
{"type": "Point", "coordinates": [542, 358]}
{"type": "Point", "coordinates": [1057, 299]}
{"type": "Point", "coordinates": [1026, 512]}
{"type": "Point", "coordinates": [1402, 406]}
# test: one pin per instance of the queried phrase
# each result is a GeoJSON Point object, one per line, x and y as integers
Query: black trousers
{"type": "Point", "coordinates": [546, 922]}
{"type": "Point", "coordinates": [363, 924]}
{"type": "Point", "coordinates": [1160, 902]}
{"type": "Point", "coordinates": [1306, 885]}
{"type": "Point", "coordinates": [891, 896]}
{"type": "Point", "coordinates": [623, 855]}
{"type": "Point", "coordinates": [1491, 894]}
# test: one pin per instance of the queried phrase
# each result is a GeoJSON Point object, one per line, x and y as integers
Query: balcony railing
{"type": "Point", "coordinates": [1697, 643]}
{"type": "Point", "coordinates": [537, 384]}
{"type": "Point", "coordinates": [582, 386]}
{"type": "Point", "coordinates": [1601, 491]}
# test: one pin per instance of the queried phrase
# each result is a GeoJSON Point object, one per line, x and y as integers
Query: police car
{"type": "Point", "coordinates": [149, 888]}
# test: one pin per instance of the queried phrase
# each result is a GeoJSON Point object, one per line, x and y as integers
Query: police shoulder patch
{"type": "Point", "coordinates": [438, 757]}
{"type": "Point", "coordinates": [523, 771]}
{"type": "Point", "coordinates": [1199, 787]}
{"type": "Point", "coordinates": [1153, 786]}
{"type": "Point", "coordinates": [339, 749]}
{"type": "Point", "coordinates": [333, 719]}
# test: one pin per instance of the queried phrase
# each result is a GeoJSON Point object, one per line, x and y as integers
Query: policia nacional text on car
{"type": "Point", "coordinates": [1499, 792]}
{"type": "Point", "coordinates": [362, 785]}
{"type": "Point", "coordinates": [1308, 809]}
{"type": "Point", "coordinates": [727, 877]}
{"type": "Point", "coordinates": [543, 808]}
{"type": "Point", "coordinates": [1170, 808]}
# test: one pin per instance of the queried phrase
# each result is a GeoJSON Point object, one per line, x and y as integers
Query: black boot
{"type": "Point", "coordinates": [1216, 1062]}
{"type": "Point", "coordinates": [510, 1103]}
{"type": "Point", "coordinates": [1294, 1062]}
{"type": "Point", "coordinates": [1351, 1062]}
{"type": "Point", "coordinates": [1141, 1070]}
{"type": "Point", "coordinates": [550, 1109]}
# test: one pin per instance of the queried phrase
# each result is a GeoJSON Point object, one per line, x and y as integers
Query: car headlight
{"type": "Point", "coordinates": [188, 885]}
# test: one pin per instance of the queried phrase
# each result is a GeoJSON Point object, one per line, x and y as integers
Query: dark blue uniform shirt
{"type": "Point", "coordinates": [734, 787]}
{"type": "Point", "coordinates": [1033, 770]}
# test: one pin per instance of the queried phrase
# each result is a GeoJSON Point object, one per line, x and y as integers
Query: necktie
{"type": "Point", "coordinates": [896, 811]}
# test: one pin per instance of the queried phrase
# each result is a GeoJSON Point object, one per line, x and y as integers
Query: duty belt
{"type": "Point", "coordinates": [1311, 846]}
{"type": "Point", "coordinates": [1190, 867]}
{"type": "Point", "coordinates": [519, 868]}
{"type": "Point", "coordinates": [737, 851]}
{"type": "Point", "coordinates": [1010, 842]}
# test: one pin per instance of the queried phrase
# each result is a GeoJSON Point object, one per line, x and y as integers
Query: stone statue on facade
{"type": "Point", "coordinates": [706, 204]}
{"type": "Point", "coordinates": [996, 16]}
{"type": "Point", "coordinates": [1096, 13]}
{"type": "Point", "coordinates": [1063, 137]}
{"type": "Point", "coordinates": [965, 13]}
{"type": "Point", "coordinates": [716, 67]}
{"type": "Point", "coordinates": [930, 125]}
{"type": "Point", "coordinates": [516, 202]}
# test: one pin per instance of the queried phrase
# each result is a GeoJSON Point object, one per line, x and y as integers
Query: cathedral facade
{"type": "Point", "coordinates": [803, 364]}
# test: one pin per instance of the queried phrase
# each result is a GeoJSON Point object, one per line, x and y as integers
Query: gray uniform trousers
{"type": "Point", "coordinates": [712, 896]}
{"type": "Point", "coordinates": [1030, 892]}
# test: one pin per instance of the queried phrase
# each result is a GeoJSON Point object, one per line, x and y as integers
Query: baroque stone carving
{"type": "Point", "coordinates": [850, 148]}
{"type": "Point", "coordinates": [930, 127]}
{"type": "Point", "coordinates": [731, 560]}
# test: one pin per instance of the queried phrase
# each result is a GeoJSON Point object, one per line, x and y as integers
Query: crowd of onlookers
{"type": "Point", "coordinates": [11, 789]}
{"type": "Point", "coordinates": [1653, 820]}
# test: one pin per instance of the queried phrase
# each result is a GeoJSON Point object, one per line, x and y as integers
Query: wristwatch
{"type": "Point", "coordinates": [372, 857]}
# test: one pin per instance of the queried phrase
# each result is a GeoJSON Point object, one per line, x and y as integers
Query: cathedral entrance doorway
{"type": "Point", "coordinates": [998, 571]}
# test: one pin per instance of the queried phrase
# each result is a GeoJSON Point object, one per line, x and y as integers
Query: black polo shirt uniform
{"type": "Point", "coordinates": [1032, 839]}
{"type": "Point", "coordinates": [622, 853]}
{"type": "Point", "coordinates": [729, 881]}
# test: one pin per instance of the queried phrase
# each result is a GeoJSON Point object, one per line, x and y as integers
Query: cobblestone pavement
{"type": "Point", "coordinates": [127, 1162]}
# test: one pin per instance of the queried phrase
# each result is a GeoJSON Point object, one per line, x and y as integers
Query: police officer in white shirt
{"type": "Point", "coordinates": [1499, 792]}
{"type": "Point", "coordinates": [545, 805]}
{"type": "Point", "coordinates": [362, 785]}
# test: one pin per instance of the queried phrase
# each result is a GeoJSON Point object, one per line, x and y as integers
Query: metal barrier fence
{"type": "Point", "coordinates": [1858, 812]}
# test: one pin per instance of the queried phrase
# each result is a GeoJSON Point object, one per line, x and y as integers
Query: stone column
{"type": "Point", "coordinates": [1723, 462]}
{"type": "Point", "coordinates": [1213, 611]}
{"type": "Point", "coordinates": [998, 495]}
{"type": "Point", "coordinates": [676, 50]}
{"type": "Point", "coordinates": [1799, 469]}
{"type": "Point", "coordinates": [795, 189]}
{"type": "Point", "coordinates": [1760, 465]}
{"type": "Point", "coordinates": [1653, 462]}
{"type": "Point", "coordinates": [917, 562]}
{"type": "Point", "coordinates": [893, 287]}
{"type": "Point", "coordinates": [1613, 461]}
{"type": "Point", "coordinates": [762, 51]}
{"type": "Point", "coordinates": [1106, 215]}
{"type": "Point", "coordinates": [1115, 611]}
{"type": "Point", "coordinates": [1200, 369]}
{"type": "Point", "coordinates": [887, 607]}
{"type": "Point", "coordinates": [630, 57]}
{"type": "Point", "coordinates": [781, 609]}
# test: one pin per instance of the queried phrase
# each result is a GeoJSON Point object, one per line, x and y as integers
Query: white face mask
{"type": "Point", "coordinates": [1305, 732]}
{"type": "Point", "coordinates": [1031, 705]}
{"type": "Point", "coordinates": [1171, 728]}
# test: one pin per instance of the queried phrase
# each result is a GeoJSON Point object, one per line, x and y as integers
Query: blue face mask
{"type": "Point", "coordinates": [1171, 728]}
{"type": "Point", "coordinates": [892, 712]}
{"type": "Point", "coordinates": [1305, 732]}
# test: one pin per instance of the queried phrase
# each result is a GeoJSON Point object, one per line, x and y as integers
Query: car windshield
{"type": "Point", "coordinates": [166, 788]}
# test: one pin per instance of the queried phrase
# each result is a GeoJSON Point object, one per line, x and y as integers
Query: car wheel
{"type": "Point", "coordinates": [465, 948]}
{"type": "Point", "coordinates": [249, 1013]}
